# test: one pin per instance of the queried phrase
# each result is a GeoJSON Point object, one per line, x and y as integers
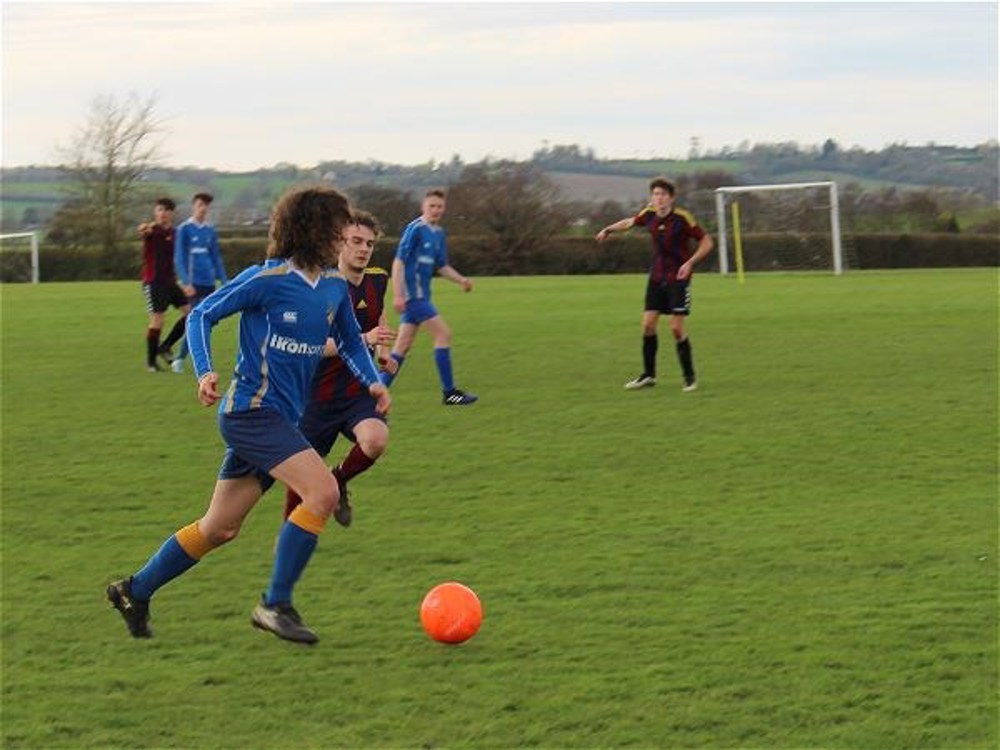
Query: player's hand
{"type": "Point", "coordinates": [145, 228]}
{"type": "Point", "coordinates": [398, 304]}
{"type": "Point", "coordinates": [684, 272]}
{"type": "Point", "coordinates": [389, 364]}
{"type": "Point", "coordinates": [380, 336]}
{"type": "Point", "coordinates": [602, 235]}
{"type": "Point", "coordinates": [208, 392]}
{"type": "Point", "coordinates": [189, 290]}
{"type": "Point", "coordinates": [381, 395]}
{"type": "Point", "coordinates": [466, 284]}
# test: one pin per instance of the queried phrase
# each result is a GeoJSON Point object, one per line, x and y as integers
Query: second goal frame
{"type": "Point", "coordinates": [720, 210]}
{"type": "Point", "coordinates": [33, 237]}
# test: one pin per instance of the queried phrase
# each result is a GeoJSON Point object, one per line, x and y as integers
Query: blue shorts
{"type": "Point", "coordinates": [324, 420]}
{"type": "Point", "coordinates": [257, 440]}
{"type": "Point", "coordinates": [417, 311]}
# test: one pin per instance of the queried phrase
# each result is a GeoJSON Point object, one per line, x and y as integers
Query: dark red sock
{"type": "Point", "coordinates": [354, 463]}
{"type": "Point", "coordinates": [152, 344]}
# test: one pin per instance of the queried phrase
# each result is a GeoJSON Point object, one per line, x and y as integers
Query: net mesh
{"type": "Point", "coordinates": [786, 229]}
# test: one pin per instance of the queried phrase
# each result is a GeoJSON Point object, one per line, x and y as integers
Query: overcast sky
{"type": "Point", "coordinates": [250, 84]}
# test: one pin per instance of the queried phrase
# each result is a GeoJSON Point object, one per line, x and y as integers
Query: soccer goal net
{"type": "Point", "coordinates": [19, 257]}
{"type": "Point", "coordinates": [789, 227]}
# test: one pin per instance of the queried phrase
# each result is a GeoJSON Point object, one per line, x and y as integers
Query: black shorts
{"type": "Point", "coordinates": [324, 420]}
{"type": "Point", "coordinates": [673, 298]}
{"type": "Point", "coordinates": [200, 292]}
{"type": "Point", "coordinates": [160, 296]}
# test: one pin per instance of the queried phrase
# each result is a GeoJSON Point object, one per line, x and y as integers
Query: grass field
{"type": "Point", "coordinates": [801, 554]}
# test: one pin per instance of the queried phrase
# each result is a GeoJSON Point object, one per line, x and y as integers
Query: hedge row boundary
{"type": "Point", "coordinates": [482, 256]}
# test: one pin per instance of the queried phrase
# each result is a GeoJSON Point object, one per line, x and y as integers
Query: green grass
{"type": "Point", "coordinates": [802, 553]}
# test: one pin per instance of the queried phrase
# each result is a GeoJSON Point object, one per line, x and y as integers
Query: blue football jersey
{"type": "Point", "coordinates": [422, 250]}
{"type": "Point", "coordinates": [284, 325]}
{"type": "Point", "coordinates": [197, 259]}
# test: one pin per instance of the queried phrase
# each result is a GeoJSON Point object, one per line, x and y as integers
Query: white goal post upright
{"type": "Point", "coordinates": [720, 210]}
{"type": "Point", "coordinates": [34, 250]}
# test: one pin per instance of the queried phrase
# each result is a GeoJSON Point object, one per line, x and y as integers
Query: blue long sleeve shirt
{"type": "Point", "coordinates": [284, 325]}
{"type": "Point", "coordinates": [197, 258]}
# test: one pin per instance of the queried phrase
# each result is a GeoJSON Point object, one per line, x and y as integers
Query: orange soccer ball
{"type": "Point", "coordinates": [451, 613]}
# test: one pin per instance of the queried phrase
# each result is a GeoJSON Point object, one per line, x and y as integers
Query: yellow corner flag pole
{"type": "Point", "coordinates": [737, 242]}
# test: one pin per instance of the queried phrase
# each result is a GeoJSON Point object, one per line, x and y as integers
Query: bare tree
{"type": "Point", "coordinates": [514, 204]}
{"type": "Point", "coordinates": [108, 158]}
{"type": "Point", "coordinates": [393, 207]}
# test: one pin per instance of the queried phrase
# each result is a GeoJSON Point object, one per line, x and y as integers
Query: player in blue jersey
{"type": "Point", "coordinates": [290, 305]}
{"type": "Point", "coordinates": [339, 403]}
{"type": "Point", "coordinates": [197, 260]}
{"type": "Point", "coordinates": [422, 252]}
{"type": "Point", "coordinates": [678, 245]}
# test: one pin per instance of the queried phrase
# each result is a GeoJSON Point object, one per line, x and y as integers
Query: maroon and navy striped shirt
{"type": "Point", "coordinates": [158, 256]}
{"type": "Point", "coordinates": [672, 241]}
{"type": "Point", "coordinates": [333, 380]}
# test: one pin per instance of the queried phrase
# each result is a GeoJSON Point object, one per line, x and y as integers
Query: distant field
{"type": "Point", "coordinates": [595, 187]}
{"type": "Point", "coordinates": [802, 553]}
{"type": "Point", "coordinates": [867, 183]}
{"type": "Point", "coordinates": [651, 167]}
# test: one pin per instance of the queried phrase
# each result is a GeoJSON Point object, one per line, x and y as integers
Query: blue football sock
{"type": "Point", "coordinates": [295, 547]}
{"type": "Point", "coordinates": [442, 357]}
{"type": "Point", "coordinates": [386, 377]}
{"type": "Point", "coordinates": [169, 562]}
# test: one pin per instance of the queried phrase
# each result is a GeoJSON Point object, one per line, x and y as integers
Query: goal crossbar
{"type": "Point", "coordinates": [720, 210]}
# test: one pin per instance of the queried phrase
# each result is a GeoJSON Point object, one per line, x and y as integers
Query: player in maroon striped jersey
{"type": "Point", "coordinates": [678, 244]}
{"type": "Point", "coordinates": [159, 282]}
{"type": "Point", "coordinates": [339, 404]}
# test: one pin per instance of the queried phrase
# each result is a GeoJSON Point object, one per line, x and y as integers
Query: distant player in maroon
{"type": "Point", "coordinates": [159, 283]}
{"type": "Point", "coordinates": [340, 405]}
{"type": "Point", "coordinates": [678, 244]}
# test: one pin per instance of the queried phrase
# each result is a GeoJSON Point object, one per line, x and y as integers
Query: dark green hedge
{"type": "Point", "coordinates": [480, 256]}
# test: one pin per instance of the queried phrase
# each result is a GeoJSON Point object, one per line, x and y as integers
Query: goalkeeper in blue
{"type": "Point", "coordinates": [290, 305]}
{"type": "Point", "coordinates": [422, 252]}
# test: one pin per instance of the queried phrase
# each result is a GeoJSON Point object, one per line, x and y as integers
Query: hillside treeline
{"type": "Point", "coordinates": [520, 208]}
{"type": "Point", "coordinates": [967, 168]}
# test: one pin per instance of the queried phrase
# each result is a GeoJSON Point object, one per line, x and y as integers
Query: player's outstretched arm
{"type": "Point", "coordinates": [619, 226]}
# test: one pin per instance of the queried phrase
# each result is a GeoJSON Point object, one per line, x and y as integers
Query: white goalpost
{"type": "Point", "coordinates": [723, 194]}
{"type": "Point", "coordinates": [32, 237]}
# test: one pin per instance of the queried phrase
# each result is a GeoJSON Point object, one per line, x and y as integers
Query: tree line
{"type": "Point", "coordinates": [113, 169]}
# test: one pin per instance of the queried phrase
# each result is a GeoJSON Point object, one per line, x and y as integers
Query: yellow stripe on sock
{"type": "Point", "coordinates": [307, 520]}
{"type": "Point", "coordinates": [193, 541]}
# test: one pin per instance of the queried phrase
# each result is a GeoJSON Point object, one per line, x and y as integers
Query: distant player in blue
{"type": "Point", "coordinates": [290, 305]}
{"type": "Point", "coordinates": [423, 252]}
{"type": "Point", "coordinates": [197, 261]}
